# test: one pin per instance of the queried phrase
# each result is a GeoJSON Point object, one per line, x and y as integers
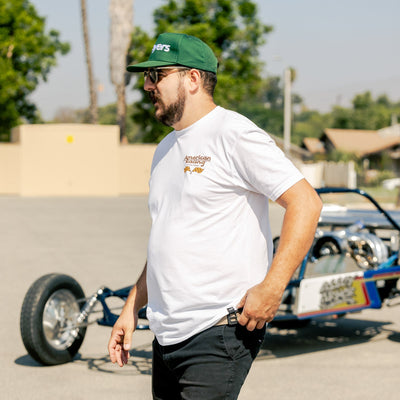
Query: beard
{"type": "Point", "coordinates": [172, 113]}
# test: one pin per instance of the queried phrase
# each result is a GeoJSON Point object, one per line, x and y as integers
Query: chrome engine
{"type": "Point", "coordinates": [367, 249]}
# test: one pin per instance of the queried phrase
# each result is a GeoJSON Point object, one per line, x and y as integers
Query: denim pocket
{"type": "Point", "coordinates": [240, 342]}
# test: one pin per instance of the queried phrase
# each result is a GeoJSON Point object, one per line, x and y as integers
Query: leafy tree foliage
{"type": "Point", "coordinates": [366, 113]}
{"type": "Point", "coordinates": [27, 55]}
{"type": "Point", "coordinates": [266, 107]}
{"type": "Point", "coordinates": [232, 30]}
{"type": "Point", "coordinates": [309, 123]}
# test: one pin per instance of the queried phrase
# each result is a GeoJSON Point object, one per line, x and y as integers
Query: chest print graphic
{"type": "Point", "coordinates": [195, 164]}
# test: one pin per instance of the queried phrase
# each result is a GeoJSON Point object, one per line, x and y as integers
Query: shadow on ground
{"type": "Point", "coordinates": [319, 335]}
{"type": "Point", "coordinates": [27, 361]}
{"type": "Point", "coordinates": [139, 362]}
{"type": "Point", "coordinates": [322, 335]}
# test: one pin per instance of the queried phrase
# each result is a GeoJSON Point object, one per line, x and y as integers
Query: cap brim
{"type": "Point", "coordinates": [147, 64]}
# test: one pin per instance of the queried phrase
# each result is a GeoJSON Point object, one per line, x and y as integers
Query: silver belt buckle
{"type": "Point", "coordinates": [232, 317]}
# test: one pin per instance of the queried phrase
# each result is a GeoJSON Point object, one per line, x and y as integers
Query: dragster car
{"type": "Point", "coordinates": [353, 264]}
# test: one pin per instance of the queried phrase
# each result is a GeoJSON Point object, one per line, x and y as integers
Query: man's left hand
{"type": "Point", "coordinates": [259, 305]}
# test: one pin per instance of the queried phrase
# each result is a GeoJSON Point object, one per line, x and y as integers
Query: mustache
{"type": "Point", "coordinates": [153, 97]}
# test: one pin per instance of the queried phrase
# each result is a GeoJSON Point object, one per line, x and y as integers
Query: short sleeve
{"type": "Point", "coordinates": [261, 166]}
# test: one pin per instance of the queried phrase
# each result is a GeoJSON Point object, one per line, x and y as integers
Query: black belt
{"type": "Point", "coordinates": [231, 318]}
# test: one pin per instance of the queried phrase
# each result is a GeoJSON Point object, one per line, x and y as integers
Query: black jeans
{"type": "Point", "coordinates": [211, 365]}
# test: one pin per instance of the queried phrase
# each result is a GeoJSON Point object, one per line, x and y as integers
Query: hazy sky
{"type": "Point", "coordinates": [338, 47]}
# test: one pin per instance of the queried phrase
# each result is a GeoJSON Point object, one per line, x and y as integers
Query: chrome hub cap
{"type": "Point", "coordinates": [59, 319]}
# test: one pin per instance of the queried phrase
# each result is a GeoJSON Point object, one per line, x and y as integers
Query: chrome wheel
{"type": "Point", "coordinates": [49, 319]}
{"type": "Point", "coordinates": [59, 319]}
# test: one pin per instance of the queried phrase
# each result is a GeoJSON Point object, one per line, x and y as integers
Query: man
{"type": "Point", "coordinates": [210, 246]}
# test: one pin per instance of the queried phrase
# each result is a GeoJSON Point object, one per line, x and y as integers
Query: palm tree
{"type": "Point", "coordinates": [92, 89]}
{"type": "Point", "coordinates": [121, 15]}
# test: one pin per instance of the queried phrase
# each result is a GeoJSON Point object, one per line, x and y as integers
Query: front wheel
{"type": "Point", "coordinates": [48, 319]}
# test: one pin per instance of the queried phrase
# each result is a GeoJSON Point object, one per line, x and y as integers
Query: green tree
{"type": "Point", "coordinates": [309, 123]}
{"type": "Point", "coordinates": [365, 113]}
{"type": "Point", "coordinates": [28, 53]}
{"type": "Point", "coordinates": [233, 31]}
{"type": "Point", "coordinates": [266, 107]}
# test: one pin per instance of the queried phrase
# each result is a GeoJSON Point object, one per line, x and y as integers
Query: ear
{"type": "Point", "coordinates": [194, 78]}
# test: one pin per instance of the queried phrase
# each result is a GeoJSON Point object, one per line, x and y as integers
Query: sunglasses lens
{"type": "Point", "coordinates": [152, 74]}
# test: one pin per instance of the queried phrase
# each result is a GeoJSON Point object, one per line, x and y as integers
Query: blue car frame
{"type": "Point", "coordinates": [343, 272]}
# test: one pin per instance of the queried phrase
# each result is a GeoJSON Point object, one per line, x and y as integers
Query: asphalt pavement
{"type": "Point", "coordinates": [102, 241]}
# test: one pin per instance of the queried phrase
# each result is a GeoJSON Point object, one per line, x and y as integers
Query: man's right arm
{"type": "Point", "coordinates": [121, 334]}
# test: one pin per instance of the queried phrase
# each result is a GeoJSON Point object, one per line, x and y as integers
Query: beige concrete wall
{"type": "Point", "coordinates": [88, 160]}
{"type": "Point", "coordinates": [134, 167]}
{"type": "Point", "coordinates": [9, 168]}
{"type": "Point", "coordinates": [73, 160]}
{"type": "Point", "coordinates": [68, 159]}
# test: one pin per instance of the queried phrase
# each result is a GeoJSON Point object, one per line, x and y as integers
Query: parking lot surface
{"type": "Point", "coordinates": [102, 241]}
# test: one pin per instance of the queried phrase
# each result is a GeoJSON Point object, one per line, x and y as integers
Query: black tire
{"type": "Point", "coordinates": [51, 299]}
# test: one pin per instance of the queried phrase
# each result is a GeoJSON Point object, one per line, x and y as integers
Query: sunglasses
{"type": "Point", "coordinates": [156, 74]}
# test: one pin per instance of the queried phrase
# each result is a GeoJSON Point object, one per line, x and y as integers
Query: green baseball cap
{"type": "Point", "coordinates": [179, 49]}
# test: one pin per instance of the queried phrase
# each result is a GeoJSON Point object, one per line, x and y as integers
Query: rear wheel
{"type": "Point", "coordinates": [48, 320]}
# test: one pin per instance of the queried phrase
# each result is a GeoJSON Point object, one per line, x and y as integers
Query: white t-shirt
{"type": "Point", "coordinates": [210, 239]}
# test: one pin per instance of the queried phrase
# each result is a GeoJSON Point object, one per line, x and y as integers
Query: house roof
{"type": "Point", "coordinates": [296, 152]}
{"type": "Point", "coordinates": [360, 142]}
{"type": "Point", "coordinates": [314, 145]}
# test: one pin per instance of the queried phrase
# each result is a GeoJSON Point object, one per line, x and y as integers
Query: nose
{"type": "Point", "coordinates": [149, 85]}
